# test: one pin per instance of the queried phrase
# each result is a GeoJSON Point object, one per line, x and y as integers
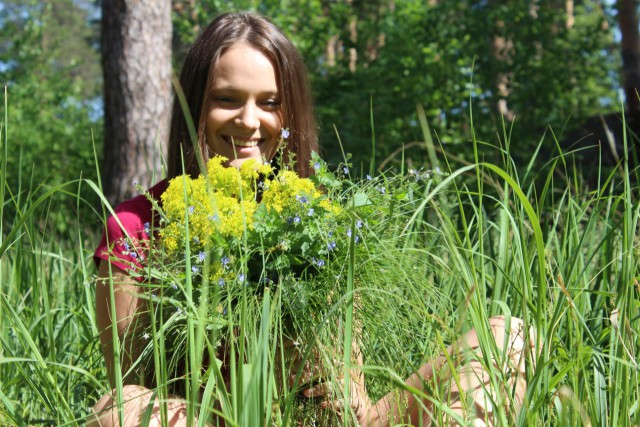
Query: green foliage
{"type": "Point", "coordinates": [50, 68]}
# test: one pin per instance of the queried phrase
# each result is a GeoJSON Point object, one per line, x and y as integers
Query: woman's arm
{"type": "Point", "coordinates": [127, 308]}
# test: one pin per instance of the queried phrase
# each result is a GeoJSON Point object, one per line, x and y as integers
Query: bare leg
{"type": "Point", "coordinates": [471, 395]}
{"type": "Point", "coordinates": [136, 402]}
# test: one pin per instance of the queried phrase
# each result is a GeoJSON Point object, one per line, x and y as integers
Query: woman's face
{"type": "Point", "coordinates": [244, 117]}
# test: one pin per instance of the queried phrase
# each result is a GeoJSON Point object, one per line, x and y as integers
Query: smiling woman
{"type": "Point", "coordinates": [246, 87]}
{"type": "Point", "coordinates": [244, 117]}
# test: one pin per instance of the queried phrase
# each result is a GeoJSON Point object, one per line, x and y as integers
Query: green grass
{"type": "Point", "coordinates": [484, 240]}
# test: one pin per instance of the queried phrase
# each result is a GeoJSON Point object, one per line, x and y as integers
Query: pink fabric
{"type": "Point", "coordinates": [125, 239]}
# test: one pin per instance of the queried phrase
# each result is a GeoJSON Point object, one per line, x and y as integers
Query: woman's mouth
{"type": "Point", "coordinates": [242, 142]}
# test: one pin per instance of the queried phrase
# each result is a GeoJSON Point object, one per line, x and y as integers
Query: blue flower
{"type": "Point", "coordinates": [316, 166]}
{"type": "Point", "coordinates": [296, 219]}
{"type": "Point", "coordinates": [302, 199]}
{"type": "Point", "coordinates": [213, 217]}
{"type": "Point", "coordinates": [196, 239]}
{"type": "Point", "coordinates": [285, 133]}
{"type": "Point", "coordinates": [359, 224]}
{"type": "Point", "coordinates": [201, 256]}
{"type": "Point", "coordinates": [345, 170]}
{"type": "Point", "coordinates": [369, 177]}
{"type": "Point", "coordinates": [126, 246]}
{"type": "Point", "coordinates": [318, 262]}
{"type": "Point", "coordinates": [382, 190]}
{"type": "Point", "coordinates": [331, 246]}
{"type": "Point", "coordinates": [195, 269]}
{"type": "Point", "coordinates": [221, 282]}
{"type": "Point", "coordinates": [240, 278]}
{"type": "Point", "coordinates": [311, 211]}
{"type": "Point", "coordinates": [147, 227]}
{"type": "Point", "coordinates": [191, 208]}
{"type": "Point", "coordinates": [174, 286]}
{"type": "Point", "coordinates": [134, 254]}
{"type": "Point", "coordinates": [225, 260]}
{"type": "Point", "coordinates": [349, 233]}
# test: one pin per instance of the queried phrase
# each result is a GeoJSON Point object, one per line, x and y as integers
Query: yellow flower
{"type": "Point", "coordinates": [281, 192]}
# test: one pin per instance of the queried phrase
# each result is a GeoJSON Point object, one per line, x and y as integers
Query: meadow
{"type": "Point", "coordinates": [475, 241]}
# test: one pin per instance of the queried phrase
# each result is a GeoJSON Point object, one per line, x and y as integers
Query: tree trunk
{"type": "Point", "coordinates": [136, 63]}
{"type": "Point", "coordinates": [628, 21]}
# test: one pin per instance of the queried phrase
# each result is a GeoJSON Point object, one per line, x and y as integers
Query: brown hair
{"type": "Point", "coordinates": [198, 73]}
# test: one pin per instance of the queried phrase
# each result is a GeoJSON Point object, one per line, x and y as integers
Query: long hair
{"type": "Point", "coordinates": [198, 74]}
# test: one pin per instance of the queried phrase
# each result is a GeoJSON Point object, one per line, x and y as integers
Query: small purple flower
{"type": "Point", "coordinates": [349, 233]}
{"type": "Point", "coordinates": [310, 213]}
{"type": "Point", "coordinates": [302, 199]}
{"type": "Point", "coordinates": [201, 256]}
{"type": "Point", "coordinates": [316, 166]}
{"type": "Point", "coordinates": [240, 278]}
{"type": "Point", "coordinates": [225, 260]}
{"type": "Point", "coordinates": [285, 133]}
{"type": "Point", "coordinates": [369, 177]}
{"type": "Point", "coordinates": [331, 246]}
{"type": "Point", "coordinates": [320, 262]}
{"type": "Point", "coordinates": [195, 269]}
{"type": "Point", "coordinates": [174, 286]}
{"type": "Point", "coordinates": [221, 282]}
{"type": "Point", "coordinates": [345, 170]}
{"type": "Point", "coordinates": [296, 219]}
{"type": "Point", "coordinates": [191, 209]}
{"type": "Point", "coordinates": [147, 227]}
{"type": "Point", "coordinates": [126, 246]}
{"type": "Point", "coordinates": [359, 224]}
{"type": "Point", "coordinates": [134, 254]}
{"type": "Point", "coordinates": [213, 217]}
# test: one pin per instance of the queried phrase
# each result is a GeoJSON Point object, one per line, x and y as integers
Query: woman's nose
{"type": "Point", "coordinates": [248, 116]}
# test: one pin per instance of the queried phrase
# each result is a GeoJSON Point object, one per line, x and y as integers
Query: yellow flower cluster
{"type": "Point", "coordinates": [223, 204]}
{"type": "Point", "coordinates": [281, 192]}
{"type": "Point", "coordinates": [220, 204]}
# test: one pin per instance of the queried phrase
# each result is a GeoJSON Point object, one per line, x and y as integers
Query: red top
{"type": "Point", "coordinates": [124, 240]}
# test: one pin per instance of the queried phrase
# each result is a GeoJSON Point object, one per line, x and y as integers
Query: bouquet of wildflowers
{"type": "Point", "coordinates": [228, 235]}
{"type": "Point", "coordinates": [248, 226]}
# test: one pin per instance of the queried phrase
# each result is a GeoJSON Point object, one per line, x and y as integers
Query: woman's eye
{"type": "Point", "coordinates": [272, 103]}
{"type": "Point", "coordinates": [224, 99]}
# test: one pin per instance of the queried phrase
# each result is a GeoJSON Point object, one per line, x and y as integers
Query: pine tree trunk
{"type": "Point", "coordinates": [136, 63]}
{"type": "Point", "coordinates": [628, 21]}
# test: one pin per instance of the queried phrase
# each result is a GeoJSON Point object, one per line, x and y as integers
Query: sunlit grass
{"type": "Point", "coordinates": [483, 240]}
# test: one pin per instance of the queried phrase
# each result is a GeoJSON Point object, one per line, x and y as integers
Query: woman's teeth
{"type": "Point", "coordinates": [239, 142]}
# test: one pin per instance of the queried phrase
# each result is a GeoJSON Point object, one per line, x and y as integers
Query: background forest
{"type": "Point", "coordinates": [524, 109]}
